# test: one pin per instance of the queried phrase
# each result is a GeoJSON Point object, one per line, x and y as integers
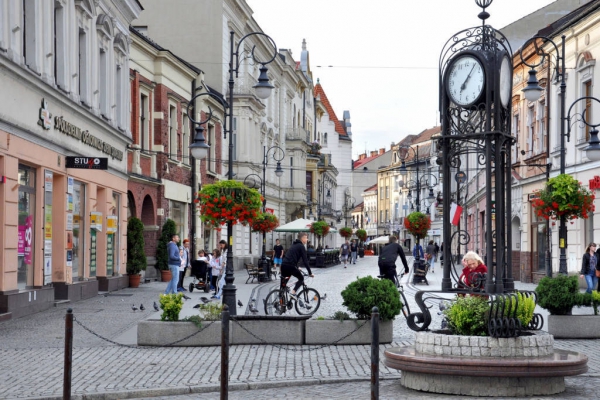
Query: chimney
{"type": "Point", "coordinates": [373, 153]}
{"type": "Point", "coordinates": [392, 146]}
{"type": "Point", "coordinates": [382, 151]}
{"type": "Point", "coordinates": [362, 156]}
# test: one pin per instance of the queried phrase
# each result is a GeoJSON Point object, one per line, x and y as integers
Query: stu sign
{"type": "Point", "coordinates": [87, 162]}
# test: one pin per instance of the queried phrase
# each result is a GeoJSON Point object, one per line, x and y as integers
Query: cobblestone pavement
{"type": "Point", "coordinates": [32, 352]}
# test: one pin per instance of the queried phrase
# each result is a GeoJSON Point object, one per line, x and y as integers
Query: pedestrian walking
{"type": "Point", "coordinates": [185, 264]}
{"type": "Point", "coordinates": [345, 252]}
{"type": "Point", "coordinates": [353, 251]}
{"type": "Point", "coordinates": [174, 262]}
{"type": "Point", "coordinates": [277, 255]}
{"type": "Point", "coordinates": [431, 255]}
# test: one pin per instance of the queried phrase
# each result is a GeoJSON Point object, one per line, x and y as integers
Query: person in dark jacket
{"type": "Point", "coordinates": [387, 259]}
{"type": "Point", "coordinates": [291, 258]}
{"type": "Point", "coordinates": [589, 263]}
{"type": "Point", "coordinates": [173, 262]}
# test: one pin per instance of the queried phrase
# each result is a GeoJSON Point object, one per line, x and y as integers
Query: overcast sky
{"type": "Point", "coordinates": [383, 55]}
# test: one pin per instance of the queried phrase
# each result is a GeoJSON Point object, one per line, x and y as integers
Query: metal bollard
{"type": "Point", "coordinates": [68, 354]}
{"type": "Point", "coordinates": [375, 354]}
{"type": "Point", "coordinates": [225, 353]}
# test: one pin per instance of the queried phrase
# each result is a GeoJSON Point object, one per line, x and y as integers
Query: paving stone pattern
{"type": "Point", "coordinates": [32, 353]}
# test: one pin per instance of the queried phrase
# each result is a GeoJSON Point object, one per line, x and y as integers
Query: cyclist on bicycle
{"type": "Point", "coordinates": [291, 259]}
{"type": "Point", "coordinates": [387, 259]}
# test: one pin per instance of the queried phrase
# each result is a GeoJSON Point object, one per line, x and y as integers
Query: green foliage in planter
{"type": "Point", "coordinates": [171, 305]}
{"type": "Point", "coordinates": [136, 258]}
{"type": "Point", "coordinates": [588, 300]}
{"type": "Point", "coordinates": [162, 257]}
{"type": "Point", "coordinates": [365, 293]}
{"type": "Point", "coordinates": [525, 307]}
{"type": "Point", "coordinates": [195, 319]}
{"type": "Point", "coordinates": [468, 316]}
{"type": "Point", "coordinates": [340, 316]}
{"type": "Point", "coordinates": [558, 295]}
{"type": "Point", "coordinates": [211, 311]}
{"type": "Point", "coordinates": [321, 318]}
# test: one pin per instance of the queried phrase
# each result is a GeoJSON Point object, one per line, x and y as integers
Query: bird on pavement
{"type": "Point", "coordinates": [204, 300]}
{"type": "Point", "coordinates": [156, 307]}
{"type": "Point", "coordinates": [253, 309]}
{"type": "Point", "coordinates": [197, 306]}
{"type": "Point", "coordinates": [186, 297]}
{"type": "Point", "coordinates": [324, 297]}
{"type": "Point", "coordinates": [134, 308]}
{"type": "Point", "coordinates": [240, 303]}
{"type": "Point", "coordinates": [142, 307]}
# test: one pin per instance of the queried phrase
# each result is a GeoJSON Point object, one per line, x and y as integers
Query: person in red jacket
{"type": "Point", "coordinates": [473, 271]}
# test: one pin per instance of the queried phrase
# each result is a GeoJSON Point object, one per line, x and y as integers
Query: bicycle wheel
{"type": "Point", "coordinates": [308, 302]}
{"type": "Point", "coordinates": [405, 307]}
{"type": "Point", "coordinates": [274, 303]}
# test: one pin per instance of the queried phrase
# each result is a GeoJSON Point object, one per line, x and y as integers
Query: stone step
{"type": "Point", "coordinates": [5, 316]}
{"type": "Point", "coordinates": [58, 302]}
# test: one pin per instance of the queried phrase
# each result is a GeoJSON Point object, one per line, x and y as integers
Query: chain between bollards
{"type": "Point", "coordinates": [68, 354]}
{"type": "Point", "coordinates": [375, 354]}
{"type": "Point", "coordinates": [225, 353]}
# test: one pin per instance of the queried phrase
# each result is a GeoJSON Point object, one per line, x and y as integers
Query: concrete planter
{"type": "Point", "coordinates": [574, 326]}
{"type": "Point", "coordinates": [242, 330]}
{"type": "Point", "coordinates": [328, 331]}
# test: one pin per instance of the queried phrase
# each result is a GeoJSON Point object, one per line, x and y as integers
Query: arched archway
{"type": "Point", "coordinates": [516, 248]}
{"type": "Point", "coordinates": [148, 211]}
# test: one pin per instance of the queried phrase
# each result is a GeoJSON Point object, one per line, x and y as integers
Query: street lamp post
{"type": "Point", "coordinates": [426, 180]}
{"type": "Point", "coordinates": [533, 92]}
{"type": "Point", "coordinates": [262, 90]}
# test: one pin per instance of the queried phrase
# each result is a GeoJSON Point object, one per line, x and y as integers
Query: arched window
{"type": "Point", "coordinates": [104, 29]}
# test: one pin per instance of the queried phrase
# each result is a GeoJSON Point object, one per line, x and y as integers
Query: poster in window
{"type": "Point", "coordinates": [48, 222]}
{"type": "Point", "coordinates": [70, 240]}
{"type": "Point", "coordinates": [69, 258]}
{"type": "Point", "coordinates": [48, 247]}
{"type": "Point", "coordinates": [93, 253]}
{"type": "Point", "coordinates": [70, 203]}
{"type": "Point", "coordinates": [47, 270]}
{"type": "Point", "coordinates": [69, 221]}
{"type": "Point", "coordinates": [70, 184]}
{"type": "Point", "coordinates": [48, 181]}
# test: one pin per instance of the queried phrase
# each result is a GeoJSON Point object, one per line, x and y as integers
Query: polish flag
{"type": "Point", "coordinates": [455, 211]}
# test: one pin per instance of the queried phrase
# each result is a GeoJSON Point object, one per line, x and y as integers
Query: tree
{"type": "Point", "coordinates": [136, 258]}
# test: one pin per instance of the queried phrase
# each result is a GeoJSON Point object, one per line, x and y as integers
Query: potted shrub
{"type": "Point", "coordinates": [136, 258]}
{"type": "Point", "coordinates": [162, 257]}
{"type": "Point", "coordinates": [359, 297]}
{"type": "Point", "coordinates": [361, 234]}
{"type": "Point", "coordinates": [559, 295]}
{"type": "Point", "coordinates": [345, 232]}
{"type": "Point", "coordinates": [228, 201]}
{"type": "Point", "coordinates": [564, 196]}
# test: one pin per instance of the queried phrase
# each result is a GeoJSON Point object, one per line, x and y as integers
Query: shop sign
{"type": "Point", "coordinates": [111, 223]}
{"type": "Point", "coordinates": [96, 220]}
{"type": "Point", "coordinates": [86, 162]}
{"type": "Point", "coordinates": [64, 126]}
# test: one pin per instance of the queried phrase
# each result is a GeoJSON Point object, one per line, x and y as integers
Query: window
{"type": "Point", "coordinates": [173, 148]}
{"type": "Point", "coordinates": [60, 46]}
{"type": "Point", "coordinates": [587, 87]}
{"type": "Point", "coordinates": [79, 227]}
{"type": "Point", "coordinates": [530, 128]}
{"type": "Point", "coordinates": [186, 139]}
{"type": "Point", "coordinates": [516, 129]}
{"type": "Point", "coordinates": [309, 185]}
{"type": "Point", "coordinates": [83, 68]}
{"type": "Point", "coordinates": [212, 152]}
{"type": "Point", "coordinates": [292, 172]}
{"type": "Point", "coordinates": [178, 215]}
{"type": "Point", "coordinates": [120, 49]}
{"type": "Point", "coordinates": [30, 11]}
{"type": "Point", "coordinates": [26, 229]}
{"type": "Point", "coordinates": [102, 83]}
{"type": "Point", "coordinates": [540, 128]}
{"type": "Point", "coordinates": [387, 192]}
{"type": "Point", "coordinates": [144, 134]}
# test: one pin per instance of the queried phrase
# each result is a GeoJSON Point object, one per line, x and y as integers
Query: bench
{"type": "Point", "coordinates": [254, 273]}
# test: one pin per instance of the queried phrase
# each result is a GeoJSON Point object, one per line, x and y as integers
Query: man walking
{"type": "Point", "coordinates": [345, 252]}
{"type": "Point", "coordinates": [353, 251]}
{"type": "Point", "coordinates": [277, 255]}
{"type": "Point", "coordinates": [174, 261]}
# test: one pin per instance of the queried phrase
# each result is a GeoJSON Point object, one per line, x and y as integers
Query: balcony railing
{"type": "Point", "coordinates": [297, 133]}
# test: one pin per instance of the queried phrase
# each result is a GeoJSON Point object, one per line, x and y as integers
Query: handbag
{"type": "Point", "coordinates": [597, 273]}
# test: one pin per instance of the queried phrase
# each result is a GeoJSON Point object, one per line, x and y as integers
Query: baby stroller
{"type": "Point", "coordinates": [199, 274]}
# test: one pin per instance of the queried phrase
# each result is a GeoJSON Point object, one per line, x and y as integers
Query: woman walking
{"type": "Point", "coordinates": [588, 267]}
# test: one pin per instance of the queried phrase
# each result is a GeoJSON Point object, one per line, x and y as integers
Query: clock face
{"type": "Point", "coordinates": [505, 85]}
{"type": "Point", "coordinates": [465, 81]}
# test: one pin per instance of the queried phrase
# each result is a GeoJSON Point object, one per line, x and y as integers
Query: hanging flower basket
{"type": "Point", "coordinates": [345, 232]}
{"type": "Point", "coordinates": [563, 195]}
{"type": "Point", "coordinates": [319, 228]}
{"type": "Point", "coordinates": [361, 234]}
{"type": "Point", "coordinates": [228, 201]}
{"type": "Point", "coordinates": [417, 223]}
{"type": "Point", "coordinates": [264, 222]}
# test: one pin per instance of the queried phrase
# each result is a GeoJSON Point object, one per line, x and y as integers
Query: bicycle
{"type": "Point", "coordinates": [278, 301]}
{"type": "Point", "coordinates": [405, 306]}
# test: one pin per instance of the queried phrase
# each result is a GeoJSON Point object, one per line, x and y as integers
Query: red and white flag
{"type": "Point", "coordinates": [455, 211]}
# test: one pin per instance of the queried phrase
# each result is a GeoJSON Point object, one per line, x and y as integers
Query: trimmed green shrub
{"type": "Point", "coordinates": [136, 257]}
{"type": "Point", "coordinates": [340, 316]}
{"type": "Point", "coordinates": [365, 293]}
{"type": "Point", "coordinates": [171, 304]}
{"type": "Point", "coordinates": [558, 295]}
{"type": "Point", "coordinates": [468, 316]}
{"type": "Point", "coordinates": [525, 308]}
{"type": "Point", "coordinates": [162, 257]}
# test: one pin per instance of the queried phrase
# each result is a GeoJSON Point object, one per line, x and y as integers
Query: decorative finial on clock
{"type": "Point", "coordinates": [483, 15]}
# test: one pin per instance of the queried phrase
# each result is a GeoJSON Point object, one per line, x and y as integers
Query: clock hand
{"type": "Point", "coordinates": [464, 85]}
